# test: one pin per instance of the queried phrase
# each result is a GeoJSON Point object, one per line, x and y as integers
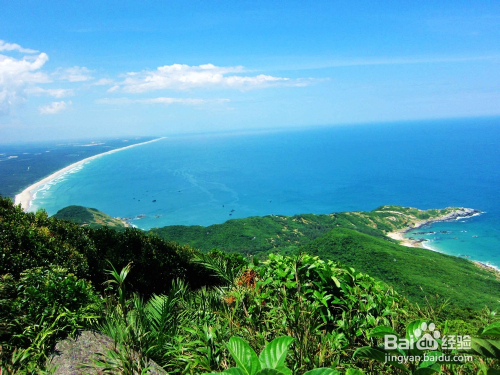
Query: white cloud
{"type": "Point", "coordinates": [22, 77]}
{"type": "Point", "coordinates": [75, 74]}
{"type": "Point", "coordinates": [56, 93]}
{"type": "Point", "coordinates": [103, 82]}
{"type": "Point", "coordinates": [14, 47]}
{"type": "Point", "coordinates": [161, 100]}
{"type": "Point", "coordinates": [54, 107]}
{"type": "Point", "coordinates": [16, 75]}
{"type": "Point", "coordinates": [181, 77]}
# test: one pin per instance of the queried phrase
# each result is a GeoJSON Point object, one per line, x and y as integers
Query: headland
{"type": "Point", "coordinates": [450, 213]}
{"type": "Point", "coordinates": [455, 214]}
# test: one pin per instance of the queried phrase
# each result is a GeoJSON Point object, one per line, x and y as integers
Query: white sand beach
{"type": "Point", "coordinates": [26, 196]}
{"type": "Point", "coordinates": [399, 236]}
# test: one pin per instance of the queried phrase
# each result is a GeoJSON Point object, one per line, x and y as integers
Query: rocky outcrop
{"type": "Point", "coordinates": [457, 213]}
{"type": "Point", "coordinates": [76, 356]}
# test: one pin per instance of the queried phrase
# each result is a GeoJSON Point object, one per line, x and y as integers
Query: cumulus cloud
{"type": "Point", "coordinates": [54, 107]}
{"type": "Point", "coordinates": [22, 77]}
{"type": "Point", "coordinates": [4, 46]}
{"type": "Point", "coordinates": [161, 100]}
{"type": "Point", "coordinates": [181, 77]}
{"type": "Point", "coordinates": [16, 75]}
{"type": "Point", "coordinates": [75, 74]}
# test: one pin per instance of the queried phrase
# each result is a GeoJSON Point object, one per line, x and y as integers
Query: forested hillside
{"type": "Point", "coordinates": [154, 304]}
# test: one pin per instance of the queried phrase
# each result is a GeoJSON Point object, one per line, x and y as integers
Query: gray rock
{"type": "Point", "coordinates": [75, 356]}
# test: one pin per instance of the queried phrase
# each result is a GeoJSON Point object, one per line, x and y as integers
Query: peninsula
{"type": "Point", "coordinates": [416, 221]}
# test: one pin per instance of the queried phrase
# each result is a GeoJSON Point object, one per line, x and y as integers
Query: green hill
{"type": "Point", "coordinates": [414, 272]}
{"type": "Point", "coordinates": [359, 240]}
{"type": "Point", "coordinates": [56, 279]}
{"type": "Point", "coordinates": [356, 239]}
{"type": "Point", "coordinates": [262, 235]}
{"type": "Point", "coordinates": [88, 216]}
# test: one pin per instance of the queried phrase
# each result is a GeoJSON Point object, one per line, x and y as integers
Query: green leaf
{"type": "Point", "coordinates": [244, 356]}
{"type": "Point", "coordinates": [354, 371]}
{"type": "Point", "coordinates": [284, 370]}
{"type": "Point", "coordinates": [370, 353]}
{"type": "Point", "coordinates": [484, 347]}
{"type": "Point", "coordinates": [233, 371]}
{"type": "Point", "coordinates": [336, 281]}
{"type": "Point", "coordinates": [491, 330]}
{"type": "Point", "coordinates": [425, 371]}
{"type": "Point", "coordinates": [269, 371]}
{"type": "Point", "coordinates": [274, 354]}
{"type": "Point", "coordinates": [322, 371]}
{"type": "Point", "coordinates": [433, 354]}
{"type": "Point", "coordinates": [413, 330]}
{"type": "Point", "coordinates": [381, 332]}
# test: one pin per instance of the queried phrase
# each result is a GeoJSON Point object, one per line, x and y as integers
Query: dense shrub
{"type": "Point", "coordinates": [42, 306]}
{"type": "Point", "coordinates": [29, 240]}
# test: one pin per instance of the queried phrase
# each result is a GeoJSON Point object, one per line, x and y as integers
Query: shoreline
{"type": "Point", "coordinates": [462, 213]}
{"type": "Point", "coordinates": [25, 197]}
{"type": "Point", "coordinates": [465, 214]}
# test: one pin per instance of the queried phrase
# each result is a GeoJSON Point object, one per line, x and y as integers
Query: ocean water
{"type": "Point", "coordinates": [207, 179]}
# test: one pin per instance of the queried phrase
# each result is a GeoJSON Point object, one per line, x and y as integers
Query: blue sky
{"type": "Point", "coordinates": [119, 68]}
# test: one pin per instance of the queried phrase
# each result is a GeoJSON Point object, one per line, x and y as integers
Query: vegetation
{"type": "Point", "coordinates": [262, 235]}
{"type": "Point", "coordinates": [417, 273]}
{"type": "Point", "coordinates": [357, 239]}
{"type": "Point", "coordinates": [167, 307]}
{"type": "Point", "coordinates": [88, 216]}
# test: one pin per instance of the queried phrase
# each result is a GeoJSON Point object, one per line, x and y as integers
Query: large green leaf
{"type": "Point", "coordinates": [354, 371]}
{"type": "Point", "coordinates": [322, 371]}
{"type": "Point", "coordinates": [285, 370]}
{"type": "Point", "coordinates": [491, 330]}
{"type": "Point", "coordinates": [425, 371]}
{"type": "Point", "coordinates": [269, 371]}
{"type": "Point", "coordinates": [413, 332]}
{"type": "Point", "coordinates": [484, 347]}
{"type": "Point", "coordinates": [370, 353]}
{"type": "Point", "coordinates": [233, 371]}
{"type": "Point", "coordinates": [382, 331]}
{"type": "Point", "coordinates": [244, 356]}
{"type": "Point", "coordinates": [431, 355]}
{"type": "Point", "coordinates": [274, 354]}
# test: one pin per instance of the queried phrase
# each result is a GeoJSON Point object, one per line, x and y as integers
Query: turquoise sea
{"type": "Point", "coordinates": [211, 178]}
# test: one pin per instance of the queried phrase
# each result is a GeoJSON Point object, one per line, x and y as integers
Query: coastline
{"type": "Point", "coordinates": [25, 197]}
{"type": "Point", "coordinates": [457, 215]}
